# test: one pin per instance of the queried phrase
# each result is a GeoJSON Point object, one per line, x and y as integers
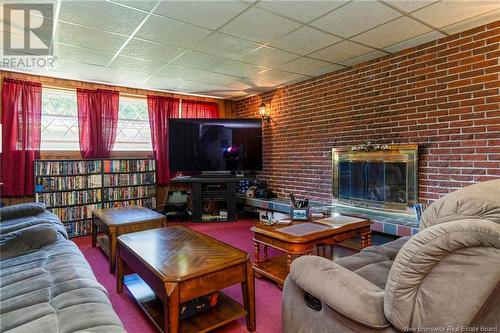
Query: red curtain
{"type": "Point", "coordinates": [21, 131]}
{"type": "Point", "coordinates": [97, 121]}
{"type": "Point", "coordinates": [160, 110]}
{"type": "Point", "coordinates": [199, 109]}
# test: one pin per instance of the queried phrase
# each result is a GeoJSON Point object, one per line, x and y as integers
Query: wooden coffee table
{"type": "Point", "coordinates": [177, 264]}
{"type": "Point", "coordinates": [298, 239]}
{"type": "Point", "coordinates": [114, 222]}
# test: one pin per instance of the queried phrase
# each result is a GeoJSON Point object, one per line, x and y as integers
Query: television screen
{"type": "Point", "coordinates": [215, 144]}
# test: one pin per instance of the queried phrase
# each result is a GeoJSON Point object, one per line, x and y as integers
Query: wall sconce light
{"type": "Point", "coordinates": [263, 113]}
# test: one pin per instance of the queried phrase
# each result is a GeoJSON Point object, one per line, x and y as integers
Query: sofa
{"type": "Point", "coordinates": [446, 278]}
{"type": "Point", "coordinates": [46, 285]}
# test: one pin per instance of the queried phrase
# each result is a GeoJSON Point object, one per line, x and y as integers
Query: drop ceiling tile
{"type": "Point", "coordinates": [232, 94]}
{"type": "Point", "coordinates": [88, 38]}
{"type": "Point", "coordinates": [356, 17]}
{"type": "Point", "coordinates": [303, 65]}
{"type": "Point", "coordinates": [427, 37]}
{"type": "Point", "coordinates": [214, 13]}
{"type": "Point", "coordinates": [305, 40]}
{"type": "Point", "coordinates": [238, 68]}
{"type": "Point", "coordinates": [135, 64]}
{"type": "Point", "coordinates": [304, 11]}
{"type": "Point", "coordinates": [216, 78]}
{"type": "Point", "coordinates": [77, 71]}
{"type": "Point", "coordinates": [409, 6]}
{"type": "Point", "coordinates": [203, 88]}
{"type": "Point", "coordinates": [445, 13]}
{"type": "Point", "coordinates": [180, 72]}
{"type": "Point", "coordinates": [151, 51]}
{"type": "Point", "coordinates": [123, 76]}
{"type": "Point", "coordinates": [82, 55]}
{"type": "Point", "coordinates": [101, 15]}
{"type": "Point", "coordinates": [171, 32]}
{"type": "Point", "coordinates": [225, 46]}
{"type": "Point", "coordinates": [276, 77]}
{"type": "Point", "coordinates": [145, 5]}
{"type": "Point", "coordinates": [198, 60]}
{"type": "Point", "coordinates": [259, 25]}
{"type": "Point", "coordinates": [395, 31]}
{"type": "Point", "coordinates": [325, 70]}
{"type": "Point", "coordinates": [268, 57]}
{"type": "Point", "coordinates": [473, 22]}
{"type": "Point", "coordinates": [163, 82]}
{"type": "Point", "coordinates": [241, 84]}
{"type": "Point", "coordinates": [341, 51]}
{"type": "Point", "coordinates": [364, 57]}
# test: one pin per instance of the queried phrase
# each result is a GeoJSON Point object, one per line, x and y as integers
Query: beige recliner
{"type": "Point", "coordinates": [446, 278]}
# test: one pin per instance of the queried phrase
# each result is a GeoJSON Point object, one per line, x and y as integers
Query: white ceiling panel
{"type": "Point", "coordinates": [152, 51]}
{"type": "Point", "coordinates": [225, 46]}
{"type": "Point", "coordinates": [241, 69]}
{"type": "Point", "coordinates": [198, 60]}
{"type": "Point", "coordinates": [356, 17]}
{"type": "Point", "coordinates": [325, 70]}
{"type": "Point", "coordinates": [216, 78]}
{"type": "Point", "coordinates": [135, 64]}
{"type": "Point", "coordinates": [171, 32]}
{"type": "Point", "coordinates": [409, 6]}
{"type": "Point", "coordinates": [303, 11]}
{"type": "Point", "coordinates": [101, 15]}
{"type": "Point", "coordinates": [448, 12]}
{"type": "Point", "coordinates": [82, 55]}
{"type": "Point", "coordinates": [341, 51]}
{"type": "Point", "coordinates": [473, 22]}
{"type": "Point", "coordinates": [364, 57]}
{"type": "Point", "coordinates": [163, 82]}
{"type": "Point", "coordinates": [268, 57]}
{"type": "Point", "coordinates": [259, 25]}
{"type": "Point", "coordinates": [208, 14]}
{"type": "Point", "coordinates": [277, 77]}
{"type": "Point", "coordinates": [400, 29]}
{"type": "Point", "coordinates": [123, 76]}
{"type": "Point", "coordinates": [203, 88]}
{"type": "Point", "coordinates": [427, 37]}
{"type": "Point", "coordinates": [303, 65]}
{"type": "Point", "coordinates": [180, 72]}
{"type": "Point", "coordinates": [305, 40]}
{"type": "Point", "coordinates": [145, 5]}
{"type": "Point", "coordinates": [88, 38]}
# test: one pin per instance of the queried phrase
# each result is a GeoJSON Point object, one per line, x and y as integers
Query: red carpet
{"type": "Point", "coordinates": [267, 294]}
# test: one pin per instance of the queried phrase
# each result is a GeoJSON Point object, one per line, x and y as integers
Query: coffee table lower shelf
{"type": "Point", "coordinates": [273, 268]}
{"type": "Point", "coordinates": [226, 310]}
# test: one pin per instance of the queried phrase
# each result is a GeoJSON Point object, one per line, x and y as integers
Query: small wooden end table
{"type": "Point", "coordinates": [174, 265]}
{"type": "Point", "coordinates": [297, 241]}
{"type": "Point", "coordinates": [114, 222]}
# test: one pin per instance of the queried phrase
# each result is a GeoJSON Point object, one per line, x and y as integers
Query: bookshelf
{"type": "Point", "coordinates": [72, 189]}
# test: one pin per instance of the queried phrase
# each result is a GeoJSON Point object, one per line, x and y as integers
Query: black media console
{"type": "Point", "coordinates": [222, 189]}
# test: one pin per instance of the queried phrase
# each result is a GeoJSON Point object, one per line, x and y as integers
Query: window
{"type": "Point", "coordinates": [59, 120]}
{"type": "Point", "coordinates": [133, 132]}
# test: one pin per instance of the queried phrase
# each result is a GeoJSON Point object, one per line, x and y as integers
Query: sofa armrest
{"type": "Point", "coordinates": [342, 290]}
{"type": "Point", "coordinates": [21, 210]}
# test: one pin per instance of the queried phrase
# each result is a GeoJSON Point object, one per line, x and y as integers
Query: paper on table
{"type": "Point", "coordinates": [339, 221]}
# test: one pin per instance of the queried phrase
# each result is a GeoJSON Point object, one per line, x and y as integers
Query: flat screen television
{"type": "Point", "coordinates": [215, 144]}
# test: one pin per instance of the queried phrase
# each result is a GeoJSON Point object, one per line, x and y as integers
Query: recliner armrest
{"type": "Point", "coordinates": [342, 290]}
{"type": "Point", "coordinates": [21, 210]}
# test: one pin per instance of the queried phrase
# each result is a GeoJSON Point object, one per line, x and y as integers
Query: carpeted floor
{"type": "Point", "coordinates": [267, 294]}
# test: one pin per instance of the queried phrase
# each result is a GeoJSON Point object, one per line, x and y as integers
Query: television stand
{"type": "Point", "coordinates": [221, 188]}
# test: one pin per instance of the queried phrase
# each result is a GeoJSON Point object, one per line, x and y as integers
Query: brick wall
{"type": "Point", "coordinates": [442, 95]}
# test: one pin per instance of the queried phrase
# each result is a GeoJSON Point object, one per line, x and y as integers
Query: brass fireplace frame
{"type": "Point", "coordinates": [375, 153]}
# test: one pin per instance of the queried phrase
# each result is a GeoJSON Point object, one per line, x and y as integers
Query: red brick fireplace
{"type": "Point", "coordinates": [442, 95]}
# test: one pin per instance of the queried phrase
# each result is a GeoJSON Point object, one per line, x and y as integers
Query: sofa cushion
{"type": "Point", "coordinates": [475, 201]}
{"type": "Point", "coordinates": [21, 210]}
{"type": "Point", "coordinates": [53, 290]}
{"type": "Point", "coordinates": [26, 239]}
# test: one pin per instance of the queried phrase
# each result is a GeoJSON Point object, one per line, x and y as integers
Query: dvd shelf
{"type": "Point", "coordinates": [72, 189]}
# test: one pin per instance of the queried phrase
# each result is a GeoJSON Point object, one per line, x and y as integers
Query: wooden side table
{"type": "Point", "coordinates": [114, 222]}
